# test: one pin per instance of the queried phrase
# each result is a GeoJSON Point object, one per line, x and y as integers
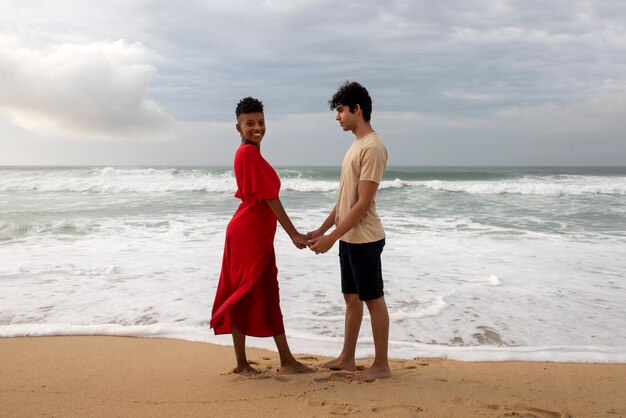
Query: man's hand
{"type": "Point", "coordinates": [314, 234]}
{"type": "Point", "coordinates": [321, 244]}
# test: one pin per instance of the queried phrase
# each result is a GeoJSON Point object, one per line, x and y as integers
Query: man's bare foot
{"type": "Point", "coordinates": [371, 374]}
{"type": "Point", "coordinates": [339, 364]}
{"type": "Point", "coordinates": [246, 370]}
{"type": "Point", "coordinates": [295, 367]}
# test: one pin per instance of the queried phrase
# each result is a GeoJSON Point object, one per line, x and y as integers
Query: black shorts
{"type": "Point", "coordinates": [361, 269]}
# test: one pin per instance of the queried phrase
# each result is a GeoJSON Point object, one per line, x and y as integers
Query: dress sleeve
{"type": "Point", "coordinates": [258, 180]}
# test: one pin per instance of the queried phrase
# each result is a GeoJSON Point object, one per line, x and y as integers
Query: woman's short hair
{"type": "Point", "coordinates": [249, 105]}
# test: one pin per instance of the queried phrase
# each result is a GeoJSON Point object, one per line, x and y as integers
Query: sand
{"type": "Point", "coordinates": [136, 377]}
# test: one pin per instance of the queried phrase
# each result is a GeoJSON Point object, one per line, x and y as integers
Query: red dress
{"type": "Point", "coordinates": [247, 294]}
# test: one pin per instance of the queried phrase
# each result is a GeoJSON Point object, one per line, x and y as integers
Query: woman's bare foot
{"type": "Point", "coordinates": [295, 367]}
{"type": "Point", "coordinates": [371, 374]}
{"type": "Point", "coordinates": [339, 364]}
{"type": "Point", "coordinates": [246, 370]}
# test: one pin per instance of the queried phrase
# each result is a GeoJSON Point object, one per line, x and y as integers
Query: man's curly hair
{"type": "Point", "coordinates": [248, 105]}
{"type": "Point", "coordinates": [350, 94]}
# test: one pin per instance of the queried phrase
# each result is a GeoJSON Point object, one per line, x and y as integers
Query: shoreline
{"type": "Point", "coordinates": [129, 376]}
{"type": "Point", "coordinates": [397, 349]}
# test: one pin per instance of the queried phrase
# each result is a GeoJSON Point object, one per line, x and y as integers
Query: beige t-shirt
{"type": "Point", "coordinates": [365, 160]}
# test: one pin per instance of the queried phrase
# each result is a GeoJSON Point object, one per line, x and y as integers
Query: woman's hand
{"type": "Point", "coordinates": [300, 240]}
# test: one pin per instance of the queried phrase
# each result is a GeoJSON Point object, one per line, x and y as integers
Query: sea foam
{"type": "Point", "coordinates": [477, 266]}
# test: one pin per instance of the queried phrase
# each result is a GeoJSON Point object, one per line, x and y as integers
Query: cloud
{"type": "Point", "coordinates": [597, 117]}
{"type": "Point", "coordinates": [83, 91]}
{"type": "Point", "coordinates": [481, 82]}
{"type": "Point", "coordinates": [589, 131]}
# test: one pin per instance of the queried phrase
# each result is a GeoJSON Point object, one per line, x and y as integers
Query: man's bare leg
{"type": "Point", "coordinates": [354, 317]}
{"type": "Point", "coordinates": [380, 330]}
{"type": "Point", "coordinates": [239, 343]}
{"type": "Point", "coordinates": [288, 364]}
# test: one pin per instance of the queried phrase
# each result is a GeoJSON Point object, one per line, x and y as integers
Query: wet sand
{"type": "Point", "coordinates": [137, 377]}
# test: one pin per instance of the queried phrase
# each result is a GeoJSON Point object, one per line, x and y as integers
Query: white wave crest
{"type": "Point", "coordinates": [113, 180]}
{"type": "Point", "coordinates": [544, 187]}
{"type": "Point", "coordinates": [151, 180]}
{"type": "Point", "coordinates": [307, 185]}
{"type": "Point", "coordinates": [433, 308]}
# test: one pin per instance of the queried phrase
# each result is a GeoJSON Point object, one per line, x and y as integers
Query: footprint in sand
{"type": "Point", "coordinates": [397, 410]}
{"type": "Point", "coordinates": [238, 376]}
{"type": "Point", "coordinates": [343, 409]}
{"type": "Point", "coordinates": [470, 381]}
{"type": "Point", "coordinates": [312, 358]}
{"type": "Point", "coordinates": [336, 376]}
{"type": "Point", "coordinates": [531, 412]}
{"type": "Point", "coordinates": [335, 408]}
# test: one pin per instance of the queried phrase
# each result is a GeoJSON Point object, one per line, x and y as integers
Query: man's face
{"type": "Point", "coordinates": [251, 126]}
{"type": "Point", "coordinates": [347, 119]}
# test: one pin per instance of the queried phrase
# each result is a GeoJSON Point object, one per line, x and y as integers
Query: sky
{"type": "Point", "coordinates": [155, 82]}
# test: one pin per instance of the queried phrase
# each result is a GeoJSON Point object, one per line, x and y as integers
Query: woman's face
{"type": "Point", "coordinates": [251, 127]}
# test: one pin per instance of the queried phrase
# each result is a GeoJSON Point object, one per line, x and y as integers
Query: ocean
{"type": "Point", "coordinates": [480, 263]}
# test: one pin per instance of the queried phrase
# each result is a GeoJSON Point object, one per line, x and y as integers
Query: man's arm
{"type": "Point", "coordinates": [328, 222]}
{"type": "Point", "coordinates": [366, 192]}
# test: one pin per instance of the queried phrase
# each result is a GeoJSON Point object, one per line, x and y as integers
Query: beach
{"type": "Point", "coordinates": [505, 289]}
{"type": "Point", "coordinates": [151, 377]}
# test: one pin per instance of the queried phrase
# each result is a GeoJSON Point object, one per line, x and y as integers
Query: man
{"type": "Point", "coordinates": [359, 231]}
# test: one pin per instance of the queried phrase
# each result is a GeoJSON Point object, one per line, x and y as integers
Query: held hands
{"type": "Point", "coordinates": [314, 234]}
{"type": "Point", "coordinates": [300, 240]}
{"type": "Point", "coordinates": [320, 243]}
{"type": "Point", "coordinates": [315, 240]}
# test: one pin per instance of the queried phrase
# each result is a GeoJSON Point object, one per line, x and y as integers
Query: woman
{"type": "Point", "coordinates": [247, 301]}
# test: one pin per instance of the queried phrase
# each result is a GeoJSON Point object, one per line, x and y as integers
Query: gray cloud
{"type": "Point", "coordinates": [475, 82]}
{"type": "Point", "coordinates": [94, 90]}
